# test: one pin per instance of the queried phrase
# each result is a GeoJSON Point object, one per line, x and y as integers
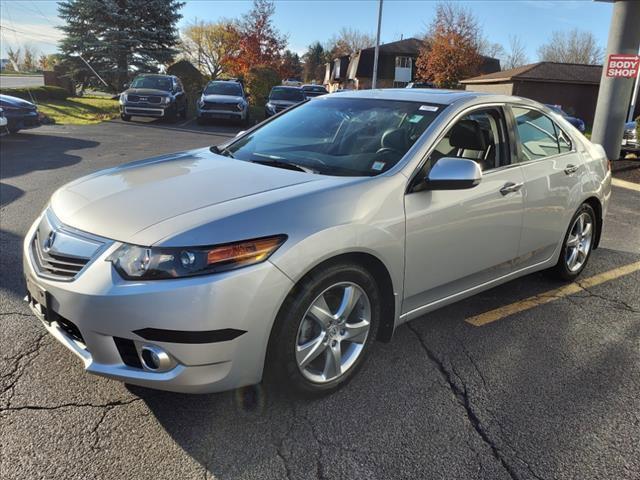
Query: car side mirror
{"type": "Point", "coordinates": [450, 173]}
{"type": "Point", "coordinates": [125, 86]}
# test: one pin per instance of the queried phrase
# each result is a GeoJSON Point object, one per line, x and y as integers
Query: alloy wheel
{"type": "Point", "coordinates": [579, 242]}
{"type": "Point", "coordinates": [333, 332]}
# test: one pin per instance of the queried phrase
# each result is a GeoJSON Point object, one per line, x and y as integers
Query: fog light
{"type": "Point", "coordinates": [154, 358]}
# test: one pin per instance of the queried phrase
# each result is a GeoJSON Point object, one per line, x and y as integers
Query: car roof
{"type": "Point", "coordinates": [427, 95]}
{"type": "Point", "coordinates": [312, 85]}
{"type": "Point", "coordinates": [287, 87]}
{"type": "Point", "coordinates": [154, 75]}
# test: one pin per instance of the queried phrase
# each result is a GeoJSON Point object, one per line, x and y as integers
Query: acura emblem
{"type": "Point", "coordinates": [48, 243]}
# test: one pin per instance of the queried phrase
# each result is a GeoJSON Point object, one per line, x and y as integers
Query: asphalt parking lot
{"type": "Point", "coordinates": [543, 389]}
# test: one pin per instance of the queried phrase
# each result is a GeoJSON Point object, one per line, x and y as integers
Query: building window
{"type": "Point", "coordinates": [403, 62]}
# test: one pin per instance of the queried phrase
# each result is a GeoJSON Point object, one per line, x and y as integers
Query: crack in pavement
{"type": "Point", "coordinates": [462, 397]}
{"type": "Point", "coordinates": [20, 367]}
{"type": "Point", "coordinates": [623, 305]}
{"type": "Point", "coordinates": [108, 405]}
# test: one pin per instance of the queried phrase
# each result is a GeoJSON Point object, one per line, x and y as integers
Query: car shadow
{"type": "Point", "coordinates": [190, 125]}
{"type": "Point", "coordinates": [25, 152]}
{"type": "Point", "coordinates": [9, 193]}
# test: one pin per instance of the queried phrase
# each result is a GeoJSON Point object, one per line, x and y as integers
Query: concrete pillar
{"type": "Point", "coordinates": [614, 94]}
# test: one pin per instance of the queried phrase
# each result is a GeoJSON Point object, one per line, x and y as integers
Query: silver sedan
{"type": "Point", "coordinates": [286, 252]}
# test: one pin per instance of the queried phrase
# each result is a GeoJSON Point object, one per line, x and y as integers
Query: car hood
{"type": "Point", "coordinates": [147, 91]}
{"type": "Point", "coordinates": [222, 98]}
{"type": "Point", "coordinates": [120, 202]}
{"type": "Point", "coordinates": [15, 102]}
{"type": "Point", "coordinates": [284, 102]}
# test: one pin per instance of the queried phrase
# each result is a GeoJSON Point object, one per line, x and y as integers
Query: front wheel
{"type": "Point", "coordinates": [578, 244]}
{"type": "Point", "coordinates": [126, 118]}
{"type": "Point", "coordinates": [325, 329]}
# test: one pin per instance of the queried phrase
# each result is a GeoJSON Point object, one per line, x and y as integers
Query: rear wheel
{"type": "Point", "coordinates": [578, 244]}
{"type": "Point", "coordinates": [325, 329]}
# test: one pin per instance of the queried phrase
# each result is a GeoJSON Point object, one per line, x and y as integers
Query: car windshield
{"type": "Point", "coordinates": [338, 136]}
{"type": "Point", "coordinates": [156, 83]}
{"type": "Point", "coordinates": [223, 88]}
{"type": "Point", "coordinates": [293, 94]}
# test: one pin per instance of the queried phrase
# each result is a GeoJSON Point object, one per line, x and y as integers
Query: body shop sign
{"type": "Point", "coordinates": [624, 66]}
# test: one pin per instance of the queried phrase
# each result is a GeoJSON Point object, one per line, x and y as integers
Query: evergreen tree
{"type": "Point", "coordinates": [117, 37]}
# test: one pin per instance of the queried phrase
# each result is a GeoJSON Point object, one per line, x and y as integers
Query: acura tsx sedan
{"type": "Point", "coordinates": [287, 251]}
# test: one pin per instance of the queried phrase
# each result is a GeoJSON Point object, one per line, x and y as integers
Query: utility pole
{"type": "Point", "coordinates": [374, 80]}
{"type": "Point", "coordinates": [615, 92]}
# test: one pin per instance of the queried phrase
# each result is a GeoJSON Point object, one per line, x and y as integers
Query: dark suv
{"type": "Point", "coordinates": [152, 95]}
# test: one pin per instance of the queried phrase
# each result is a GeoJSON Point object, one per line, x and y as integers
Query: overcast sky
{"type": "Point", "coordinates": [304, 22]}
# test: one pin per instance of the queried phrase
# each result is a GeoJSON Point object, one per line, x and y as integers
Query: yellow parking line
{"type": "Point", "coordinates": [550, 296]}
{"type": "Point", "coordinates": [624, 184]}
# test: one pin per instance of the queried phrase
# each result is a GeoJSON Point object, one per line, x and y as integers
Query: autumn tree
{"type": "Point", "coordinates": [261, 43]}
{"type": "Point", "coordinates": [348, 41]}
{"type": "Point", "coordinates": [29, 59]}
{"type": "Point", "coordinates": [450, 51]}
{"type": "Point", "coordinates": [290, 66]}
{"type": "Point", "coordinates": [314, 60]}
{"type": "Point", "coordinates": [212, 47]}
{"type": "Point", "coordinates": [15, 58]}
{"type": "Point", "coordinates": [574, 46]}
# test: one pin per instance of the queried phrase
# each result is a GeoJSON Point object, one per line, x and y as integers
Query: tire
{"type": "Point", "coordinates": [126, 118]}
{"type": "Point", "coordinates": [183, 113]}
{"type": "Point", "coordinates": [295, 326]}
{"type": "Point", "coordinates": [565, 269]}
{"type": "Point", "coordinates": [172, 117]}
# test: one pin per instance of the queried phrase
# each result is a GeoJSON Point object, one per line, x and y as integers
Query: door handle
{"type": "Point", "coordinates": [570, 169]}
{"type": "Point", "coordinates": [510, 187]}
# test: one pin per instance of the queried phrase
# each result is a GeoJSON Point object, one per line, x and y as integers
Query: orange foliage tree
{"type": "Point", "coordinates": [450, 52]}
{"type": "Point", "coordinates": [260, 41]}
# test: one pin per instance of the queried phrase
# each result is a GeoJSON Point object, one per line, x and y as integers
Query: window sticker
{"type": "Point", "coordinates": [377, 166]}
{"type": "Point", "coordinates": [428, 108]}
{"type": "Point", "coordinates": [415, 118]}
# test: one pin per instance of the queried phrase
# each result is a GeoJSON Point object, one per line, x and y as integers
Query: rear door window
{"type": "Point", "coordinates": [538, 135]}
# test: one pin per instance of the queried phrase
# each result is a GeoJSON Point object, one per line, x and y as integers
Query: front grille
{"type": "Point", "coordinates": [55, 265]}
{"type": "Point", "coordinates": [227, 107]}
{"type": "Point", "coordinates": [60, 252]}
{"type": "Point", "coordinates": [70, 329]}
{"type": "Point", "coordinates": [128, 353]}
{"type": "Point", "coordinates": [144, 98]}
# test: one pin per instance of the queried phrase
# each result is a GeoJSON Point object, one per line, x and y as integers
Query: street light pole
{"type": "Point", "coordinates": [374, 80]}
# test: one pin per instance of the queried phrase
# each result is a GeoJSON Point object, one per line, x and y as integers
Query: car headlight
{"type": "Point", "coordinates": [153, 263]}
{"type": "Point", "coordinates": [201, 103]}
{"type": "Point", "coordinates": [123, 98]}
{"type": "Point", "coordinates": [165, 100]}
{"type": "Point", "coordinates": [270, 106]}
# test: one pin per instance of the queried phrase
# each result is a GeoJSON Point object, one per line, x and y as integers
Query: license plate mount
{"type": "Point", "coordinates": [39, 300]}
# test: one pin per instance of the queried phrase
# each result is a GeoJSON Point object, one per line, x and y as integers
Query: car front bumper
{"type": "Point", "coordinates": [22, 121]}
{"type": "Point", "coordinates": [214, 328]}
{"type": "Point", "coordinates": [138, 110]}
{"type": "Point", "coordinates": [221, 114]}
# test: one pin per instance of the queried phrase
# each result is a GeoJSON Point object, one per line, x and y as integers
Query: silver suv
{"type": "Point", "coordinates": [223, 99]}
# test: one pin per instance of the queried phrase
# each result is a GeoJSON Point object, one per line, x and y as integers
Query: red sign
{"type": "Point", "coordinates": [624, 66]}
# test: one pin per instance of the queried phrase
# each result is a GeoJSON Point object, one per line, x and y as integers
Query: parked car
{"type": "Point", "coordinates": [314, 90]}
{"type": "Point", "coordinates": [223, 99]}
{"type": "Point", "coordinates": [630, 141]}
{"type": "Point", "coordinates": [281, 98]}
{"type": "Point", "coordinates": [292, 82]}
{"type": "Point", "coordinates": [151, 95]}
{"type": "Point", "coordinates": [289, 249]}
{"type": "Point", "coordinates": [3, 123]}
{"type": "Point", "coordinates": [19, 114]}
{"type": "Point", "coordinates": [576, 122]}
{"type": "Point", "coordinates": [421, 85]}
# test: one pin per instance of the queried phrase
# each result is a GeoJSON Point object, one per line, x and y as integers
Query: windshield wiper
{"type": "Point", "coordinates": [286, 165]}
{"type": "Point", "coordinates": [222, 151]}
